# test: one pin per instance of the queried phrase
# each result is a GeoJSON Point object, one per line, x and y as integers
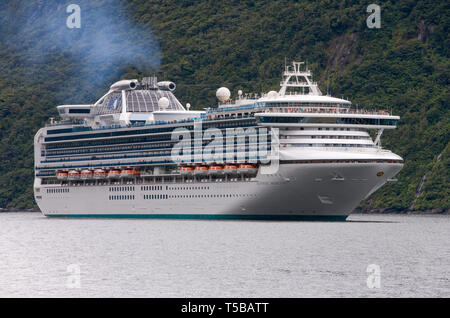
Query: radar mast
{"type": "Point", "coordinates": [294, 76]}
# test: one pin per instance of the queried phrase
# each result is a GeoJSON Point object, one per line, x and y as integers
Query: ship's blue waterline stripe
{"type": "Point", "coordinates": [210, 217]}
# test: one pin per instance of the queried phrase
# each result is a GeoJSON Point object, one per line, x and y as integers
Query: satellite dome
{"type": "Point", "coordinates": [223, 94]}
{"type": "Point", "coordinates": [163, 102]}
{"type": "Point", "coordinates": [272, 94]}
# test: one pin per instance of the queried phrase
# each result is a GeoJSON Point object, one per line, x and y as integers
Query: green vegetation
{"type": "Point", "coordinates": [403, 67]}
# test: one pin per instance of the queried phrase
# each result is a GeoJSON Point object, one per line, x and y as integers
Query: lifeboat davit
{"type": "Point", "coordinates": [62, 175]}
{"type": "Point", "coordinates": [185, 170]}
{"type": "Point", "coordinates": [73, 175]}
{"type": "Point", "coordinates": [201, 170]}
{"type": "Point", "coordinates": [215, 170]}
{"type": "Point", "coordinates": [246, 168]}
{"type": "Point", "coordinates": [114, 174]}
{"type": "Point", "coordinates": [100, 174]}
{"type": "Point", "coordinates": [230, 169]}
{"type": "Point", "coordinates": [86, 174]}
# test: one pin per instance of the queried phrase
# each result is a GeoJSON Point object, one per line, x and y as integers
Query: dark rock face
{"type": "Point", "coordinates": [342, 53]}
{"type": "Point", "coordinates": [424, 31]}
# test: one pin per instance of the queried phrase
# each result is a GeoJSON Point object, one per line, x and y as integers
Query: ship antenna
{"type": "Point", "coordinates": [328, 85]}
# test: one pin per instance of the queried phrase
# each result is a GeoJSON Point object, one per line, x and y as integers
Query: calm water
{"type": "Point", "coordinates": [173, 258]}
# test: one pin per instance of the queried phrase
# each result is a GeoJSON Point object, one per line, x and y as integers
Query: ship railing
{"type": "Point", "coordinates": [359, 148]}
{"type": "Point", "coordinates": [227, 109]}
{"type": "Point", "coordinates": [64, 122]}
{"type": "Point", "coordinates": [114, 162]}
{"type": "Point", "coordinates": [318, 110]}
{"type": "Point", "coordinates": [162, 122]}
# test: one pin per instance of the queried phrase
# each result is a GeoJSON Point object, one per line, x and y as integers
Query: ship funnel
{"type": "Point", "coordinates": [168, 86]}
{"type": "Point", "coordinates": [124, 85]}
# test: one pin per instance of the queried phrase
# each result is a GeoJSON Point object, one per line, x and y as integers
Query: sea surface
{"type": "Point", "coordinates": [367, 256]}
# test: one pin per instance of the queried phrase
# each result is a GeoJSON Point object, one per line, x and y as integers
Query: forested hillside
{"type": "Point", "coordinates": [202, 45]}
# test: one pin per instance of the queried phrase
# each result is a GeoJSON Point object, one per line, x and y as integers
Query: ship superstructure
{"type": "Point", "coordinates": [138, 152]}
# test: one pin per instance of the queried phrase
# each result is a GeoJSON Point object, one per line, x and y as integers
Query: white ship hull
{"type": "Point", "coordinates": [297, 191]}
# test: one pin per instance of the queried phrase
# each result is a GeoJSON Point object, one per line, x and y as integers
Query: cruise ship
{"type": "Point", "coordinates": [292, 154]}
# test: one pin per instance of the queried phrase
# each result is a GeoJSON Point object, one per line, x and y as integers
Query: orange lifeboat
{"type": "Point", "coordinates": [185, 170]}
{"type": "Point", "coordinates": [247, 168]}
{"type": "Point", "coordinates": [127, 173]}
{"type": "Point", "coordinates": [215, 170]}
{"type": "Point", "coordinates": [230, 169]}
{"type": "Point", "coordinates": [86, 174]}
{"type": "Point", "coordinates": [61, 175]}
{"type": "Point", "coordinates": [73, 175]}
{"type": "Point", "coordinates": [114, 173]}
{"type": "Point", "coordinates": [201, 170]}
{"type": "Point", "coordinates": [100, 174]}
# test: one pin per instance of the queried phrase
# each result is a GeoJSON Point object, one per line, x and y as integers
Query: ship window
{"type": "Point", "coordinates": [79, 111]}
{"type": "Point", "coordinates": [147, 100]}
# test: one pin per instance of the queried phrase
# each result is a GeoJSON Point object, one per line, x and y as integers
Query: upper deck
{"type": "Point", "coordinates": [133, 124]}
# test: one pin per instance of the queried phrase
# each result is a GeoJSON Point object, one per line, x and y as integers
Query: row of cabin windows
{"type": "Point", "coordinates": [240, 149]}
{"type": "Point", "coordinates": [148, 188]}
{"type": "Point", "coordinates": [63, 190]}
{"type": "Point", "coordinates": [115, 189]}
{"type": "Point", "coordinates": [340, 137]}
{"type": "Point", "coordinates": [155, 196]}
{"type": "Point", "coordinates": [330, 145]}
{"type": "Point", "coordinates": [102, 142]}
{"type": "Point", "coordinates": [128, 155]}
{"type": "Point", "coordinates": [330, 120]}
{"type": "Point", "coordinates": [322, 128]}
{"type": "Point", "coordinates": [187, 188]}
{"type": "Point", "coordinates": [212, 195]}
{"type": "Point", "coordinates": [122, 197]}
{"type": "Point", "coordinates": [109, 149]}
{"type": "Point", "coordinates": [323, 137]}
{"type": "Point", "coordinates": [166, 196]}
